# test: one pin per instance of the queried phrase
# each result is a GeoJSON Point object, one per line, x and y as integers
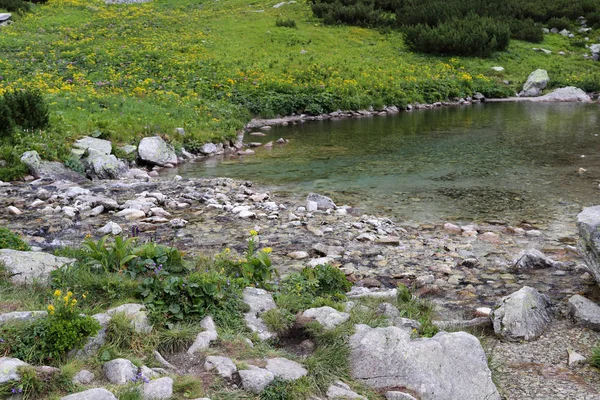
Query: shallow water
{"type": "Point", "coordinates": [509, 161]}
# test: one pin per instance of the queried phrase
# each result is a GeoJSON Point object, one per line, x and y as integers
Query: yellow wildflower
{"type": "Point", "coordinates": [267, 250]}
{"type": "Point", "coordinates": [253, 232]}
{"type": "Point", "coordinates": [51, 309]}
{"type": "Point", "coordinates": [57, 293]}
{"type": "Point", "coordinates": [69, 294]}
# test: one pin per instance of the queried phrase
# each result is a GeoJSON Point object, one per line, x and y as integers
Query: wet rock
{"type": "Point", "coordinates": [388, 357]}
{"type": "Point", "coordinates": [323, 202]}
{"type": "Point", "coordinates": [21, 316]}
{"type": "Point", "coordinates": [259, 301]}
{"type": "Point", "coordinates": [588, 224]}
{"type": "Point", "coordinates": [97, 200]}
{"type": "Point", "coordinates": [154, 150]}
{"type": "Point", "coordinates": [91, 394]}
{"type": "Point", "coordinates": [328, 317]}
{"type": "Point", "coordinates": [83, 377]}
{"type": "Point", "coordinates": [111, 228]}
{"type": "Point", "coordinates": [131, 214]}
{"type": "Point", "coordinates": [339, 390]}
{"type": "Point", "coordinates": [452, 229]}
{"type": "Point", "coordinates": [204, 338]}
{"type": "Point", "coordinates": [536, 82]}
{"type": "Point", "coordinates": [119, 371]}
{"type": "Point", "coordinates": [27, 267]}
{"type": "Point", "coordinates": [523, 315]}
{"type": "Point", "coordinates": [585, 312]}
{"type": "Point", "coordinates": [224, 366]}
{"type": "Point", "coordinates": [533, 259]}
{"type": "Point", "coordinates": [208, 149]}
{"type": "Point", "coordinates": [158, 389]}
{"type": "Point", "coordinates": [285, 369]}
{"type": "Point", "coordinates": [178, 223]}
{"type": "Point", "coordinates": [8, 369]}
{"type": "Point", "coordinates": [136, 313]}
{"type": "Point", "coordinates": [255, 379]}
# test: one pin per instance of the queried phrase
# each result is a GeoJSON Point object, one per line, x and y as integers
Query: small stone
{"type": "Point", "coordinates": [285, 369]}
{"type": "Point", "coordinates": [298, 255]}
{"type": "Point", "coordinates": [224, 366]}
{"type": "Point", "coordinates": [14, 210]}
{"type": "Point", "coordinates": [158, 389]}
{"type": "Point", "coordinates": [339, 390]}
{"type": "Point", "coordinates": [84, 377]}
{"type": "Point", "coordinates": [111, 228]}
{"type": "Point", "coordinates": [328, 317]}
{"type": "Point", "coordinates": [575, 358]}
{"type": "Point", "coordinates": [178, 223]}
{"type": "Point", "coordinates": [452, 229]}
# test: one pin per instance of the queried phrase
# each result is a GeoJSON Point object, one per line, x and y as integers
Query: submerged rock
{"type": "Point", "coordinates": [533, 259]}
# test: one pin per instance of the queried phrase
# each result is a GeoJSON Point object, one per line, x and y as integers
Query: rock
{"type": "Point", "coordinates": [178, 223]}
{"type": "Point", "coordinates": [5, 17]}
{"type": "Point", "coordinates": [136, 313]}
{"type": "Point", "coordinates": [119, 371]}
{"type": "Point", "coordinates": [14, 210]}
{"type": "Point", "coordinates": [575, 358]}
{"type": "Point", "coordinates": [323, 202]}
{"type": "Point", "coordinates": [320, 261]}
{"type": "Point", "coordinates": [154, 150]}
{"type": "Point", "coordinates": [533, 259]}
{"type": "Point", "coordinates": [298, 255]}
{"type": "Point", "coordinates": [131, 214]}
{"type": "Point", "coordinates": [328, 317]}
{"type": "Point", "coordinates": [26, 267]}
{"type": "Point", "coordinates": [255, 379]}
{"type": "Point", "coordinates": [339, 390]}
{"type": "Point", "coordinates": [8, 369]}
{"type": "Point", "coordinates": [128, 148]}
{"type": "Point", "coordinates": [204, 338]}
{"type": "Point", "coordinates": [208, 148]}
{"type": "Point", "coordinates": [49, 169]}
{"type": "Point", "coordinates": [94, 343]}
{"type": "Point", "coordinates": [83, 377]}
{"type": "Point", "coordinates": [158, 389]}
{"type": "Point", "coordinates": [285, 369]}
{"type": "Point", "coordinates": [585, 312]}
{"type": "Point", "coordinates": [523, 315]}
{"type": "Point", "coordinates": [498, 69]}
{"type": "Point", "coordinates": [104, 166]}
{"type": "Point", "coordinates": [536, 82]}
{"type": "Point", "coordinates": [111, 228]}
{"type": "Point", "coordinates": [398, 396]}
{"type": "Point", "coordinates": [388, 357]}
{"type": "Point", "coordinates": [566, 94]}
{"type": "Point", "coordinates": [247, 214]}
{"type": "Point", "coordinates": [21, 316]}
{"type": "Point", "coordinates": [588, 224]}
{"type": "Point", "coordinates": [224, 366]}
{"type": "Point", "coordinates": [97, 200]}
{"type": "Point", "coordinates": [91, 394]}
{"type": "Point", "coordinates": [259, 301]}
{"type": "Point", "coordinates": [564, 33]}
{"type": "Point", "coordinates": [452, 229]}
{"type": "Point", "coordinates": [94, 145]}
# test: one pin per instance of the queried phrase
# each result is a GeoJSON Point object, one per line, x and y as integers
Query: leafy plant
{"type": "Point", "coordinates": [7, 123]}
{"type": "Point", "coordinates": [595, 358]}
{"type": "Point", "coordinates": [37, 383]}
{"type": "Point", "coordinates": [28, 109]}
{"type": "Point", "coordinates": [10, 240]}
{"type": "Point", "coordinates": [112, 257]}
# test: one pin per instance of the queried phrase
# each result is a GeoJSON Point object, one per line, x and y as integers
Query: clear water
{"type": "Point", "coordinates": [509, 161]}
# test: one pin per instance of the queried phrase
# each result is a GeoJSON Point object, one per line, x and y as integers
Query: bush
{"type": "Point", "coordinates": [10, 240]}
{"type": "Point", "coordinates": [7, 123]}
{"type": "Point", "coordinates": [17, 6]}
{"type": "Point", "coordinates": [28, 109]}
{"type": "Point", "coordinates": [559, 23]}
{"type": "Point", "coordinates": [595, 358]}
{"type": "Point", "coordinates": [285, 23]}
{"type": "Point", "coordinates": [526, 30]}
{"type": "Point", "coordinates": [472, 36]}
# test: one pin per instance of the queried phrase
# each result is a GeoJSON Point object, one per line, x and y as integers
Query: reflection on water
{"type": "Point", "coordinates": [504, 161]}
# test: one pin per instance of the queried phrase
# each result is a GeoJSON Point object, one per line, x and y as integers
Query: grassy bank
{"type": "Point", "coordinates": [125, 71]}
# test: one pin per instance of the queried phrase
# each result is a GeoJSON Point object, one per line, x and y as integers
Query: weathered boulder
{"type": "Point", "coordinates": [5, 17]}
{"type": "Point", "coordinates": [588, 224]}
{"type": "Point", "coordinates": [285, 369]}
{"type": "Point", "coordinates": [91, 394]}
{"type": "Point", "coordinates": [119, 371]}
{"type": "Point", "coordinates": [566, 94]}
{"type": "Point", "coordinates": [21, 316]}
{"type": "Point", "coordinates": [448, 366]}
{"type": "Point", "coordinates": [339, 390]}
{"type": "Point", "coordinates": [94, 343]}
{"type": "Point", "coordinates": [259, 301]}
{"type": "Point", "coordinates": [104, 166]}
{"type": "Point", "coordinates": [224, 366]}
{"type": "Point", "coordinates": [49, 169]}
{"type": "Point", "coordinates": [154, 150]}
{"type": "Point", "coordinates": [328, 317]}
{"type": "Point", "coordinates": [204, 338]}
{"type": "Point", "coordinates": [536, 82]}
{"type": "Point", "coordinates": [111, 228]}
{"type": "Point", "coordinates": [522, 315]}
{"type": "Point", "coordinates": [136, 313]}
{"type": "Point", "coordinates": [208, 148]}
{"type": "Point", "coordinates": [322, 202]}
{"type": "Point", "coordinates": [533, 259]}
{"type": "Point", "coordinates": [93, 145]}
{"type": "Point", "coordinates": [595, 50]}
{"type": "Point", "coordinates": [585, 312]}
{"type": "Point", "coordinates": [25, 267]}
{"type": "Point", "coordinates": [255, 379]}
{"type": "Point", "coordinates": [83, 377]}
{"type": "Point", "coordinates": [8, 369]}
{"type": "Point", "coordinates": [158, 389]}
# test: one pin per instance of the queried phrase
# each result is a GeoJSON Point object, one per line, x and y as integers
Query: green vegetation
{"type": "Point", "coordinates": [595, 358]}
{"type": "Point", "coordinates": [10, 240]}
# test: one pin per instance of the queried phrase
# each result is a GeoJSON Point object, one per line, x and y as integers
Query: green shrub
{"type": "Point", "coordinates": [279, 389]}
{"type": "Point", "coordinates": [7, 123]}
{"type": "Point", "coordinates": [526, 30]}
{"type": "Point", "coordinates": [471, 36]}
{"type": "Point", "coordinates": [10, 240]}
{"type": "Point", "coordinates": [285, 23]}
{"type": "Point", "coordinates": [595, 358]}
{"type": "Point", "coordinates": [559, 23]}
{"type": "Point", "coordinates": [37, 384]}
{"type": "Point", "coordinates": [28, 109]}
{"type": "Point", "coordinates": [17, 6]}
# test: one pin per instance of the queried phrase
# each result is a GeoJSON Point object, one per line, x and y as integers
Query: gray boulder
{"type": "Point", "coordinates": [585, 312]}
{"type": "Point", "coordinates": [94, 343]}
{"type": "Point", "coordinates": [398, 396]}
{"type": "Point", "coordinates": [5, 17]}
{"type": "Point", "coordinates": [83, 377]}
{"type": "Point", "coordinates": [111, 228]}
{"type": "Point", "coordinates": [259, 301]}
{"type": "Point", "coordinates": [448, 366]}
{"type": "Point", "coordinates": [523, 315]}
{"type": "Point", "coordinates": [93, 145]}
{"type": "Point", "coordinates": [8, 369]}
{"type": "Point", "coordinates": [21, 316]}
{"type": "Point", "coordinates": [104, 166]}
{"type": "Point", "coordinates": [588, 225]}
{"type": "Point", "coordinates": [119, 371]}
{"type": "Point", "coordinates": [49, 169]}
{"type": "Point", "coordinates": [595, 50]}
{"type": "Point", "coordinates": [91, 394]}
{"type": "Point", "coordinates": [533, 259]}
{"type": "Point", "coordinates": [328, 317]}
{"type": "Point", "coordinates": [26, 267]}
{"type": "Point", "coordinates": [255, 379]}
{"type": "Point", "coordinates": [339, 390]}
{"type": "Point", "coordinates": [224, 366]}
{"type": "Point", "coordinates": [154, 150]}
{"type": "Point", "coordinates": [322, 202]}
{"type": "Point", "coordinates": [158, 389]}
{"type": "Point", "coordinates": [136, 313]}
{"type": "Point", "coordinates": [208, 148]}
{"type": "Point", "coordinates": [285, 369]}
{"type": "Point", "coordinates": [204, 338]}
{"type": "Point", "coordinates": [566, 94]}
{"type": "Point", "coordinates": [536, 82]}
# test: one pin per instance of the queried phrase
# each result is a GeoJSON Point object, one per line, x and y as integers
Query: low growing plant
{"type": "Point", "coordinates": [10, 240]}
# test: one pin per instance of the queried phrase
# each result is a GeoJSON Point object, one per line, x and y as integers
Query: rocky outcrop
{"type": "Point", "coordinates": [224, 366]}
{"type": "Point", "coordinates": [566, 94]}
{"type": "Point", "coordinates": [255, 379]}
{"type": "Point", "coordinates": [588, 225]}
{"type": "Point", "coordinates": [52, 170]}
{"type": "Point", "coordinates": [137, 315]}
{"type": "Point", "coordinates": [91, 394]}
{"type": "Point", "coordinates": [104, 166]}
{"type": "Point", "coordinates": [585, 312]}
{"type": "Point", "coordinates": [119, 371]}
{"type": "Point", "coordinates": [259, 301]}
{"type": "Point", "coordinates": [536, 82]}
{"type": "Point", "coordinates": [91, 145]}
{"type": "Point", "coordinates": [158, 389]}
{"type": "Point", "coordinates": [448, 366]}
{"type": "Point", "coordinates": [26, 267]}
{"type": "Point", "coordinates": [523, 315]}
{"type": "Point", "coordinates": [154, 150]}
{"type": "Point", "coordinates": [8, 369]}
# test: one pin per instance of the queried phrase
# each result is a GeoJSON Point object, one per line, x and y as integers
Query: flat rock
{"type": "Point", "coordinates": [448, 366]}
{"type": "Point", "coordinates": [298, 255]}
{"type": "Point", "coordinates": [285, 369]}
{"type": "Point", "coordinates": [5, 16]}
{"type": "Point", "coordinates": [8, 369]}
{"type": "Point", "coordinates": [255, 379]}
{"type": "Point", "coordinates": [99, 146]}
{"type": "Point", "coordinates": [51, 170]}
{"type": "Point", "coordinates": [91, 394]}
{"type": "Point", "coordinates": [154, 150]}
{"type": "Point", "coordinates": [224, 366]}
{"type": "Point", "coordinates": [21, 316]}
{"type": "Point", "coordinates": [523, 315]}
{"type": "Point", "coordinates": [119, 371]}
{"type": "Point", "coordinates": [158, 389]}
{"type": "Point", "coordinates": [26, 267]}
{"type": "Point", "coordinates": [259, 301]}
{"type": "Point", "coordinates": [339, 390]}
{"type": "Point", "coordinates": [585, 312]}
{"type": "Point", "coordinates": [104, 166]}
{"type": "Point", "coordinates": [204, 338]}
{"type": "Point", "coordinates": [533, 259]}
{"type": "Point", "coordinates": [328, 317]}
{"type": "Point", "coordinates": [398, 396]}
{"type": "Point", "coordinates": [566, 94]}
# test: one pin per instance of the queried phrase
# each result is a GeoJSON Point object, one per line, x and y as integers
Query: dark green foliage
{"type": "Point", "coordinates": [277, 390]}
{"type": "Point", "coordinates": [16, 6]}
{"type": "Point", "coordinates": [472, 36]}
{"type": "Point", "coordinates": [7, 123]}
{"type": "Point", "coordinates": [559, 23]}
{"type": "Point", "coordinates": [10, 240]}
{"type": "Point", "coordinates": [595, 358]}
{"type": "Point", "coordinates": [37, 384]}
{"type": "Point", "coordinates": [285, 23]}
{"type": "Point", "coordinates": [526, 30]}
{"type": "Point", "coordinates": [28, 109]}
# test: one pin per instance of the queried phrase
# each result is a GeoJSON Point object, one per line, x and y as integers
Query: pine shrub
{"type": "Point", "coordinates": [28, 109]}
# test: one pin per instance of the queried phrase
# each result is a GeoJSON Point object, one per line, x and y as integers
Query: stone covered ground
{"type": "Point", "coordinates": [459, 268]}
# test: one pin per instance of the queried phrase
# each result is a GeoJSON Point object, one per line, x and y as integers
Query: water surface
{"type": "Point", "coordinates": [509, 161]}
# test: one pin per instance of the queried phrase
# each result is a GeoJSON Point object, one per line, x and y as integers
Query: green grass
{"type": "Point", "coordinates": [124, 72]}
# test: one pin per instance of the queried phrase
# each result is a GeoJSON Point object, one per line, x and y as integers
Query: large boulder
{"type": "Point", "coordinates": [259, 301]}
{"type": "Point", "coordinates": [523, 315]}
{"type": "Point", "coordinates": [224, 366]}
{"type": "Point", "coordinates": [49, 169]}
{"type": "Point", "coordinates": [21, 316]}
{"type": "Point", "coordinates": [566, 94]}
{"type": "Point", "coordinates": [91, 394]}
{"type": "Point", "coordinates": [8, 369]}
{"type": "Point", "coordinates": [316, 201]}
{"type": "Point", "coordinates": [154, 150]}
{"type": "Point", "coordinates": [104, 166]}
{"type": "Point", "coordinates": [588, 224]}
{"type": "Point", "coordinates": [255, 379]}
{"type": "Point", "coordinates": [448, 366]}
{"type": "Point", "coordinates": [585, 312]}
{"type": "Point", "coordinates": [595, 50]}
{"type": "Point", "coordinates": [204, 338]}
{"type": "Point", "coordinates": [26, 267]}
{"type": "Point", "coordinates": [119, 371]}
{"type": "Point", "coordinates": [536, 82]}
{"type": "Point", "coordinates": [92, 145]}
